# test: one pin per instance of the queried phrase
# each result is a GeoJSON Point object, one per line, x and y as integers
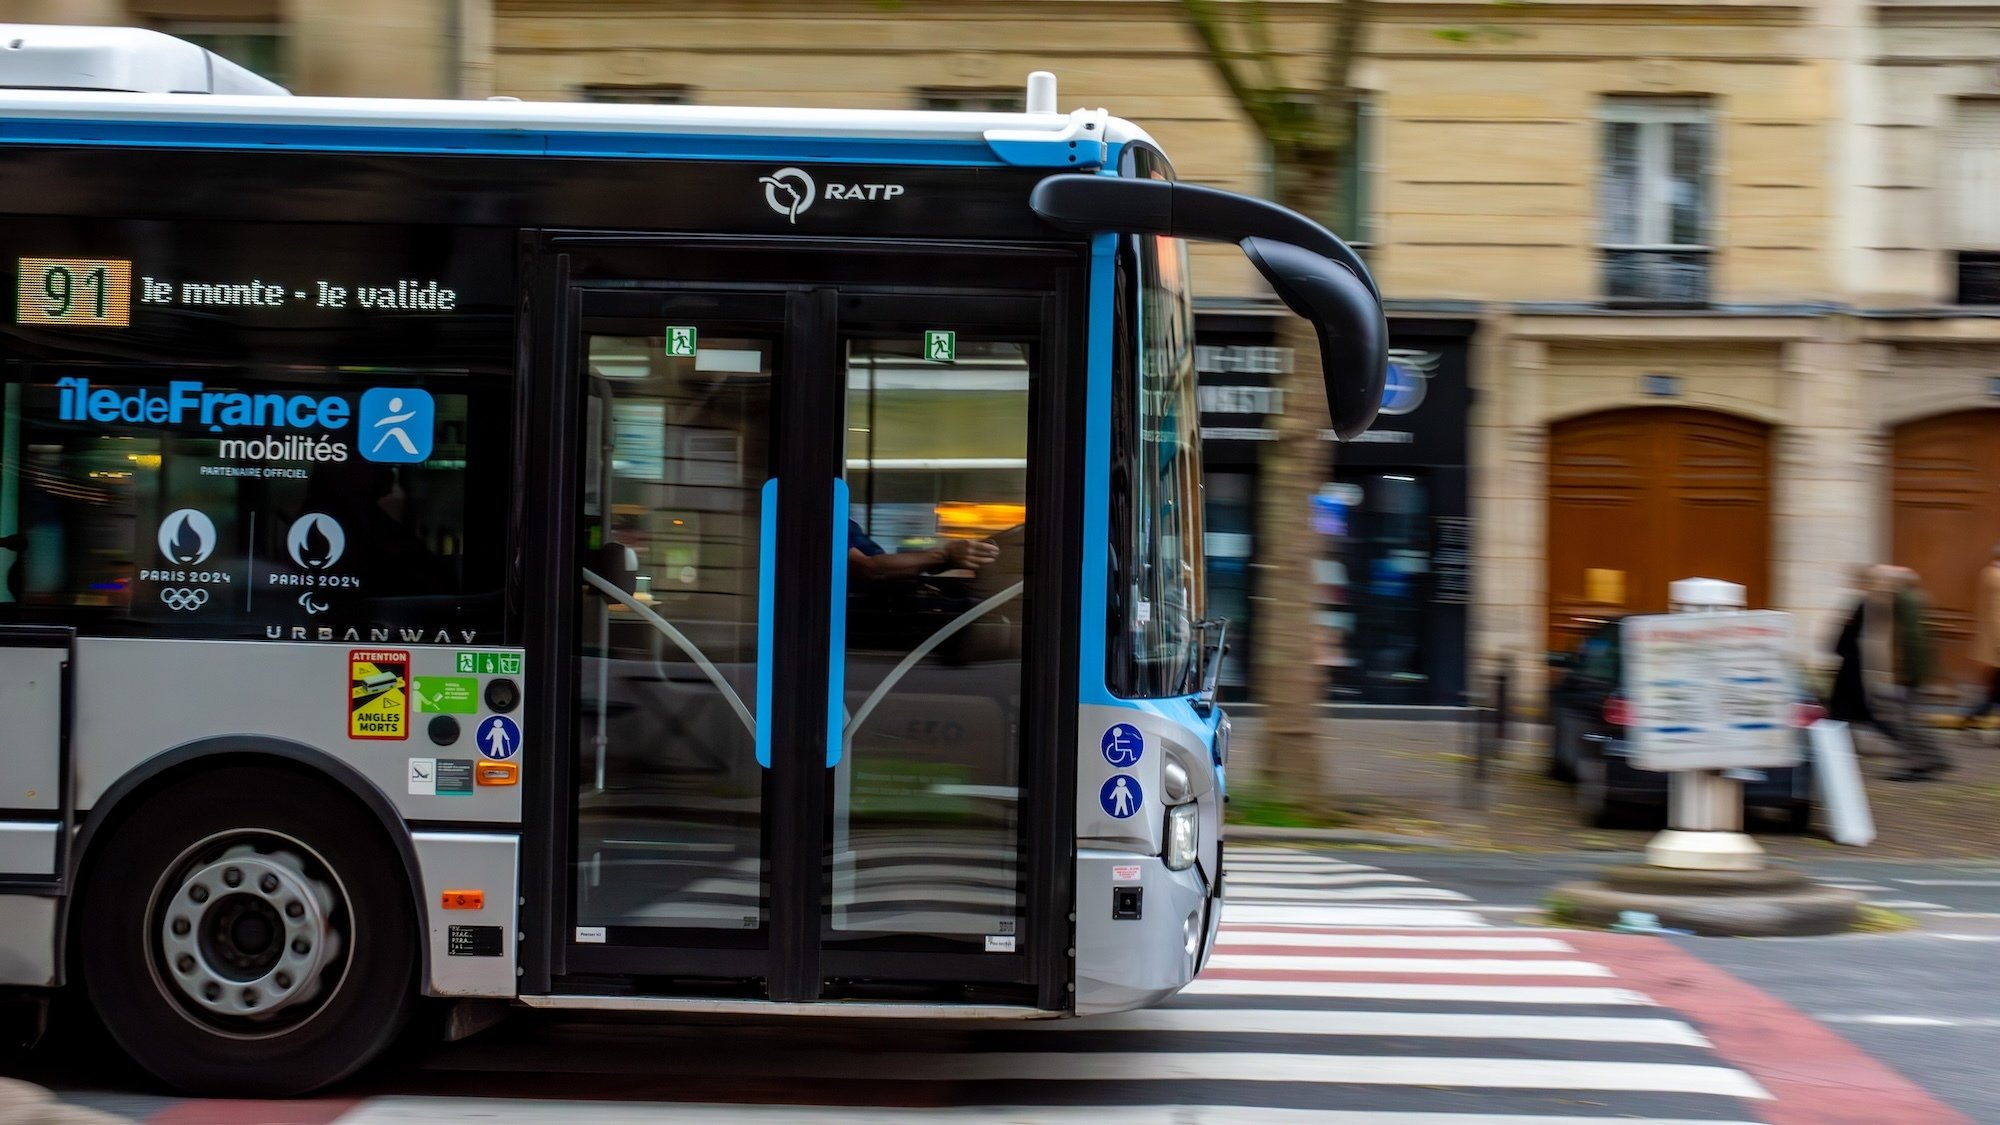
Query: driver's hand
{"type": "Point", "coordinates": [972, 553]}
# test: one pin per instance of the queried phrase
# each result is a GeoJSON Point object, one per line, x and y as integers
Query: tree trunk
{"type": "Point", "coordinates": [1291, 680]}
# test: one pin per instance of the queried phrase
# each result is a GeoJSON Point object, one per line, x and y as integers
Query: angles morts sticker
{"type": "Point", "coordinates": [379, 703]}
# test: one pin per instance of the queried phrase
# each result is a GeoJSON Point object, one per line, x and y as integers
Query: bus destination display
{"type": "Point", "coordinates": [76, 292]}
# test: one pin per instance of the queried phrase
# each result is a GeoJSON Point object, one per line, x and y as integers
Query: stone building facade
{"type": "Point", "coordinates": [1677, 286]}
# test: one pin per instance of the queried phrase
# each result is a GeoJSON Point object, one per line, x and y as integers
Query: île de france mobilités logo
{"type": "Point", "coordinates": [396, 425]}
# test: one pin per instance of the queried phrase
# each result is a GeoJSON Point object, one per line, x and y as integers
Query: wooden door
{"type": "Point", "coordinates": [1639, 498]}
{"type": "Point", "coordinates": [1945, 520]}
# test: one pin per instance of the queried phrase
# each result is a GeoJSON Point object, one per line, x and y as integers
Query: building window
{"type": "Point", "coordinates": [1978, 278]}
{"type": "Point", "coordinates": [1351, 215]}
{"type": "Point", "coordinates": [654, 94]}
{"type": "Point", "coordinates": [1653, 200]}
{"type": "Point", "coordinates": [1972, 176]}
{"type": "Point", "coordinates": [256, 47]}
{"type": "Point", "coordinates": [972, 100]}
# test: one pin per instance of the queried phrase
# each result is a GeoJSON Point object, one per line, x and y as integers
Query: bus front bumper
{"type": "Point", "coordinates": [1141, 930]}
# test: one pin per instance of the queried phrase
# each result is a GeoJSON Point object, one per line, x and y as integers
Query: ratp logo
{"type": "Point", "coordinates": [789, 191]}
{"type": "Point", "coordinates": [396, 425]}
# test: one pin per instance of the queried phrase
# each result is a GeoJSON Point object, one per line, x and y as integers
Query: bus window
{"type": "Point", "coordinates": [1156, 504]}
{"type": "Point", "coordinates": [937, 472]}
{"type": "Point", "coordinates": [248, 459]}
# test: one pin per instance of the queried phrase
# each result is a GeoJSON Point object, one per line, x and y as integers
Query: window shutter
{"type": "Point", "coordinates": [1972, 174]}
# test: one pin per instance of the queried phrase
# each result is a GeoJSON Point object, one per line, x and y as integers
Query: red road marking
{"type": "Point", "coordinates": [1815, 1076]}
{"type": "Point", "coordinates": [205, 1111]}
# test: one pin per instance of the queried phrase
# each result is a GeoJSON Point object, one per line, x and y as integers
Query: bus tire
{"type": "Point", "coordinates": [248, 931]}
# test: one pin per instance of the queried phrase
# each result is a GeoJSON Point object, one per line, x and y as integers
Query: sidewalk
{"type": "Point", "coordinates": [1413, 778]}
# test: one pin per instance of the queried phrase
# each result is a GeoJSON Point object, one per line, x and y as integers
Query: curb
{"type": "Point", "coordinates": [1332, 836]}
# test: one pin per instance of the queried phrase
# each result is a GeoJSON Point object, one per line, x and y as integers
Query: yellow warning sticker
{"type": "Point", "coordinates": [379, 706]}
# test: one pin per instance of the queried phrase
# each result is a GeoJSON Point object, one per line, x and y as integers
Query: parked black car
{"type": "Point", "coordinates": [1587, 746]}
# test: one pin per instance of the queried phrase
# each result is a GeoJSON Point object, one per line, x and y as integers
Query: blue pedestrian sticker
{"type": "Point", "coordinates": [499, 738]}
{"type": "Point", "coordinates": [1123, 746]}
{"type": "Point", "coordinates": [1121, 796]}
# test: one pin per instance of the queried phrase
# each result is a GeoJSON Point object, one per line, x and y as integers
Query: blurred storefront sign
{"type": "Point", "coordinates": [1395, 575]}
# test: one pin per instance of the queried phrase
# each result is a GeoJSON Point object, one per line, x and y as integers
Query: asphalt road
{"type": "Point", "coordinates": [1351, 988]}
{"type": "Point", "coordinates": [1925, 1002]}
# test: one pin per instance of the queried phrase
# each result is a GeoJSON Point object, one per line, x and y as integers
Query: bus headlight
{"type": "Point", "coordinates": [1183, 837]}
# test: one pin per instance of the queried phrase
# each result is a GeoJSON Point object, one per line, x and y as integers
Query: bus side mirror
{"type": "Point", "coordinates": [1316, 274]}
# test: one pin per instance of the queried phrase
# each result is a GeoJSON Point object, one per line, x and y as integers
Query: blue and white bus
{"type": "Point", "coordinates": [661, 559]}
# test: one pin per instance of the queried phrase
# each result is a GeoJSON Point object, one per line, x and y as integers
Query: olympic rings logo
{"type": "Point", "coordinates": [184, 598]}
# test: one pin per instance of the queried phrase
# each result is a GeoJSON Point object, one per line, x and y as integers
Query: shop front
{"type": "Point", "coordinates": [1393, 582]}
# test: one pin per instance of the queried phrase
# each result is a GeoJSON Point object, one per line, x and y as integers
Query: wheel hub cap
{"type": "Point", "coordinates": [249, 934]}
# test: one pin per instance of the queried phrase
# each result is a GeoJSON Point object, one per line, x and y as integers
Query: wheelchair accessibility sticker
{"type": "Point", "coordinates": [1123, 746]}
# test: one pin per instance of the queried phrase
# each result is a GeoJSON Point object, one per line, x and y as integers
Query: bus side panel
{"type": "Point", "coordinates": [31, 715]}
{"type": "Point", "coordinates": [472, 896]}
{"type": "Point", "coordinates": [139, 698]}
{"type": "Point", "coordinates": [28, 940]}
{"type": "Point", "coordinates": [361, 704]}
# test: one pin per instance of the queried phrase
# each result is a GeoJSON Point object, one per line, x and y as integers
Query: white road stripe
{"type": "Point", "coordinates": [493, 1111]}
{"type": "Point", "coordinates": [1450, 1025]}
{"type": "Point", "coordinates": [1238, 882]}
{"type": "Point", "coordinates": [1446, 993]}
{"type": "Point", "coordinates": [1388, 917]}
{"type": "Point", "coordinates": [1441, 966]}
{"type": "Point", "coordinates": [1245, 1066]}
{"type": "Point", "coordinates": [1900, 904]}
{"type": "Point", "coordinates": [1301, 894]}
{"type": "Point", "coordinates": [1948, 882]}
{"type": "Point", "coordinates": [1238, 867]}
{"type": "Point", "coordinates": [1911, 1021]}
{"type": "Point", "coordinates": [1235, 936]}
{"type": "Point", "coordinates": [1279, 855]}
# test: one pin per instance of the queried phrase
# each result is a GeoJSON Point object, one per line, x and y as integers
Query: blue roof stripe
{"type": "Point", "coordinates": [497, 142]}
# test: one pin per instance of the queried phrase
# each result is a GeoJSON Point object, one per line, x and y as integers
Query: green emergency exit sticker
{"type": "Point", "coordinates": [680, 340]}
{"type": "Point", "coordinates": [448, 695]}
{"type": "Point", "coordinates": [940, 346]}
{"type": "Point", "coordinates": [489, 663]}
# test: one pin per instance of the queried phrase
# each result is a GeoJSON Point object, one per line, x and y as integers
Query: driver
{"type": "Point", "coordinates": [866, 559]}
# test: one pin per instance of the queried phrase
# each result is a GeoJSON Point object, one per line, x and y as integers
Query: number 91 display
{"type": "Point", "coordinates": [74, 291]}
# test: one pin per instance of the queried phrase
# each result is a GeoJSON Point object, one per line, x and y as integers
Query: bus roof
{"type": "Point", "coordinates": [159, 111]}
{"type": "Point", "coordinates": [51, 57]}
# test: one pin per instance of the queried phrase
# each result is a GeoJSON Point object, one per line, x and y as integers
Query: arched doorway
{"type": "Point", "coordinates": [1638, 498]}
{"type": "Point", "coordinates": [1945, 518]}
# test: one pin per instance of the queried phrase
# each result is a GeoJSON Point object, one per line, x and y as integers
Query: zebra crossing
{"type": "Point", "coordinates": [1337, 992]}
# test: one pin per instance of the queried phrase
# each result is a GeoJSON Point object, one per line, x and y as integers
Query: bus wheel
{"type": "Point", "coordinates": [248, 932]}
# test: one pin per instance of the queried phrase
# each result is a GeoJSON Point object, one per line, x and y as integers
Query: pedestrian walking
{"type": "Point", "coordinates": [1885, 655]}
{"type": "Point", "coordinates": [1848, 701]}
{"type": "Point", "coordinates": [1905, 671]}
{"type": "Point", "coordinates": [1986, 643]}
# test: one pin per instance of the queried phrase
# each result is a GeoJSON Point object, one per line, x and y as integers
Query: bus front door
{"type": "Point", "coordinates": [811, 758]}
